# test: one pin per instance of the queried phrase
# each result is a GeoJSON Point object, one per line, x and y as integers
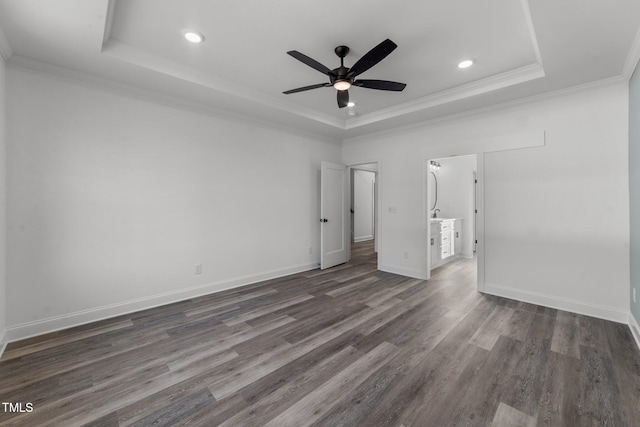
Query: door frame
{"type": "Point", "coordinates": [480, 246]}
{"type": "Point", "coordinates": [374, 198]}
{"type": "Point", "coordinates": [377, 196]}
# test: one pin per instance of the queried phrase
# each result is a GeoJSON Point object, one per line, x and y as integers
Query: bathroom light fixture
{"type": "Point", "coordinates": [466, 63]}
{"type": "Point", "coordinates": [193, 36]}
{"type": "Point", "coordinates": [434, 166]}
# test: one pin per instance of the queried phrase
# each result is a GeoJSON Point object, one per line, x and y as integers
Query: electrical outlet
{"type": "Point", "coordinates": [634, 295]}
{"type": "Point", "coordinates": [198, 269]}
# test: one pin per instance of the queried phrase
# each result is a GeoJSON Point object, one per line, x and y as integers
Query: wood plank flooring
{"type": "Point", "coordinates": [348, 346]}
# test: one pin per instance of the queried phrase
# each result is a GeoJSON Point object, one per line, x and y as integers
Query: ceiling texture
{"type": "Point", "coordinates": [521, 49]}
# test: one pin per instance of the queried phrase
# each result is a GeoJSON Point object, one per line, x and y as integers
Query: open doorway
{"type": "Point", "coordinates": [364, 206]}
{"type": "Point", "coordinates": [451, 209]}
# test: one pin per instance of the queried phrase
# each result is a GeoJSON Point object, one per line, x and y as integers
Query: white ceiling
{"type": "Point", "coordinates": [521, 49]}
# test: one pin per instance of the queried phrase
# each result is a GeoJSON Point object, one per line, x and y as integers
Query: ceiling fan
{"type": "Point", "coordinates": [342, 78]}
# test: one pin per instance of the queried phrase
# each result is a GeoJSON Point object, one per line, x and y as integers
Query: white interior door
{"type": "Point", "coordinates": [334, 206]}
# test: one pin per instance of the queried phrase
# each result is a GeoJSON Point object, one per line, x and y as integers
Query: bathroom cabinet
{"type": "Point", "coordinates": [457, 236]}
{"type": "Point", "coordinates": [445, 240]}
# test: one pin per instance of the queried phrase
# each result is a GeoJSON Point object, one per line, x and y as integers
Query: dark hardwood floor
{"type": "Point", "coordinates": [348, 346]}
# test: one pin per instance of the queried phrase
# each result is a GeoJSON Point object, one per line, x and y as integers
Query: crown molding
{"type": "Point", "coordinates": [131, 55]}
{"type": "Point", "coordinates": [126, 53]}
{"type": "Point", "coordinates": [143, 59]}
{"type": "Point", "coordinates": [426, 124]}
{"type": "Point", "coordinates": [135, 92]}
{"type": "Point", "coordinates": [489, 84]}
{"type": "Point", "coordinates": [632, 58]}
{"type": "Point", "coordinates": [108, 21]}
{"type": "Point", "coordinates": [499, 81]}
{"type": "Point", "coordinates": [5, 48]}
{"type": "Point", "coordinates": [532, 31]}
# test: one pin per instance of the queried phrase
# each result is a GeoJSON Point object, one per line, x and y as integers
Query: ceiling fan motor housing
{"type": "Point", "coordinates": [340, 73]}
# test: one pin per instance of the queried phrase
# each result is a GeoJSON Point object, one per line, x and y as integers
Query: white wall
{"type": "Point", "coordinates": [455, 194]}
{"type": "Point", "coordinates": [363, 187]}
{"type": "Point", "coordinates": [3, 206]}
{"type": "Point", "coordinates": [113, 200]}
{"type": "Point", "coordinates": [556, 216]}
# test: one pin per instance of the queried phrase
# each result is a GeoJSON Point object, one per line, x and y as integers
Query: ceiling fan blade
{"type": "Point", "coordinates": [380, 85]}
{"type": "Point", "coordinates": [372, 57]}
{"type": "Point", "coordinates": [343, 98]}
{"type": "Point", "coordinates": [301, 89]}
{"type": "Point", "coordinates": [311, 62]}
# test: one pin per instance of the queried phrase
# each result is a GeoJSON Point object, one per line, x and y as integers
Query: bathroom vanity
{"type": "Point", "coordinates": [445, 240]}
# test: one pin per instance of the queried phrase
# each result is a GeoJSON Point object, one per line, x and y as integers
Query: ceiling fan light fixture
{"type": "Point", "coordinates": [193, 36]}
{"type": "Point", "coordinates": [466, 63]}
{"type": "Point", "coordinates": [342, 85]}
{"type": "Point", "coordinates": [342, 78]}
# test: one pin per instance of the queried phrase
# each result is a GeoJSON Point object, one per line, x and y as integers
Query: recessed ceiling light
{"type": "Point", "coordinates": [193, 36]}
{"type": "Point", "coordinates": [351, 104]}
{"type": "Point", "coordinates": [466, 63]}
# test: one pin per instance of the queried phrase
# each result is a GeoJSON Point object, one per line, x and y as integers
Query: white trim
{"type": "Point", "coordinates": [402, 271]}
{"type": "Point", "coordinates": [489, 84]}
{"type": "Point", "coordinates": [580, 307]}
{"type": "Point", "coordinates": [426, 223]}
{"type": "Point", "coordinates": [3, 341]}
{"type": "Point", "coordinates": [144, 59]}
{"type": "Point", "coordinates": [532, 30]}
{"type": "Point", "coordinates": [5, 48]}
{"type": "Point", "coordinates": [377, 197]}
{"type": "Point", "coordinates": [632, 58]}
{"type": "Point", "coordinates": [480, 247]}
{"type": "Point", "coordinates": [156, 97]}
{"type": "Point", "coordinates": [56, 323]}
{"type": "Point", "coordinates": [496, 108]}
{"type": "Point", "coordinates": [362, 239]}
{"type": "Point", "coordinates": [132, 55]}
{"type": "Point", "coordinates": [635, 329]}
{"type": "Point", "coordinates": [108, 21]}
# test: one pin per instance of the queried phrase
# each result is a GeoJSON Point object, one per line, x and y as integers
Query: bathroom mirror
{"type": "Point", "coordinates": [433, 191]}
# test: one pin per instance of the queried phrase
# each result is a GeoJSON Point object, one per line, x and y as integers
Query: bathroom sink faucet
{"type": "Point", "coordinates": [435, 213]}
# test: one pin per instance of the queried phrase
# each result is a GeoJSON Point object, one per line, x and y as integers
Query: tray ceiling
{"type": "Point", "coordinates": [520, 50]}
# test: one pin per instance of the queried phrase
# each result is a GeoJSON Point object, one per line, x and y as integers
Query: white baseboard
{"type": "Point", "coordinates": [635, 329]}
{"type": "Point", "coordinates": [362, 239]}
{"type": "Point", "coordinates": [416, 274]}
{"type": "Point", "coordinates": [56, 323]}
{"type": "Point", "coordinates": [3, 341]}
{"type": "Point", "coordinates": [560, 303]}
